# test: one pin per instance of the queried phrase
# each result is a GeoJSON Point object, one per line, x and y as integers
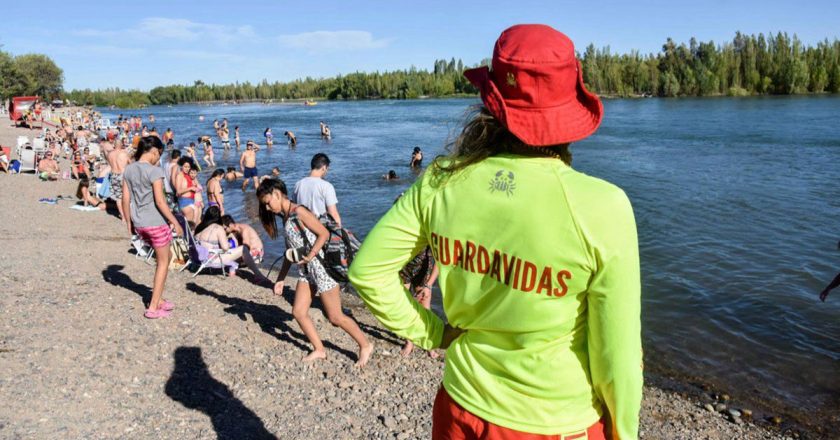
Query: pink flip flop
{"type": "Point", "coordinates": [166, 305]}
{"type": "Point", "coordinates": [155, 314]}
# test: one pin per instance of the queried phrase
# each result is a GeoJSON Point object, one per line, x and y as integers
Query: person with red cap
{"type": "Point", "coordinates": [539, 263]}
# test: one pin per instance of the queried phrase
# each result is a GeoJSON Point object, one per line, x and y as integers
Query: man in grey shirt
{"type": "Point", "coordinates": [315, 193]}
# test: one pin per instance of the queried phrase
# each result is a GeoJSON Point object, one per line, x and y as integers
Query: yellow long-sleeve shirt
{"type": "Point", "coordinates": [539, 264]}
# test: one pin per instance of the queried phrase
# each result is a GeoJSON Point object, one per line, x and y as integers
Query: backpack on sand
{"type": "Point", "coordinates": [338, 252]}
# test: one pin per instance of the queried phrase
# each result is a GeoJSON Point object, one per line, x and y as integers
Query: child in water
{"type": "Point", "coordinates": [269, 137]}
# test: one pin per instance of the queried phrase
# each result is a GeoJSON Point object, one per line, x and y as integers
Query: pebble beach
{"type": "Point", "coordinates": [78, 360]}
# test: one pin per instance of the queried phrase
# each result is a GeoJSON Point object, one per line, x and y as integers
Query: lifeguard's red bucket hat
{"type": "Point", "coordinates": [535, 88]}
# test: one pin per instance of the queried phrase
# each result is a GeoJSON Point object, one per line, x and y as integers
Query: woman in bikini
{"type": "Point", "coordinates": [185, 190]}
{"type": "Point", "coordinates": [215, 192]}
{"type": "Point", "coordinates": [88, 199]}
{"type": "Point", "coordinates": [300, 226]}
{"type": "Point", "coordinates": [79, 167]}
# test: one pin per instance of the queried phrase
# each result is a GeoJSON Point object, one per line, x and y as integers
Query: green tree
{"type": "Point", "coordinates": [45, 78]}
{"type": "Point", "coordinates": [12, 82]}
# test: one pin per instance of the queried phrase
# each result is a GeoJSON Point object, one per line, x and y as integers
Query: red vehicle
{"type": "Point", "coordinates": [20, 106]}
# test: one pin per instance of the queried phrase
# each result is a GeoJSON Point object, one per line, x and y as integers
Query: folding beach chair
{"type": "Point", "coordinates": [39, 146]}
{"type": "Point", "coordinates": [22, 141]}
{"type": "Point", "coordinates": [27, 161]}
{"type": "Point", "coordinates": [201, 257]}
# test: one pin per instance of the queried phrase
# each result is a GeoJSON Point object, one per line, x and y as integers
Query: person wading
{"type": "Point", "coordinates": [539, 263]}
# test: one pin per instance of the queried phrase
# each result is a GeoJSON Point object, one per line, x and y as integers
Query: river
{"type": "Point", "coordinates": [737, 204]}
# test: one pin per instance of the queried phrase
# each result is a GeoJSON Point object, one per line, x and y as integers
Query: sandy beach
{"type": "Point", "coordinates": [78, 360]}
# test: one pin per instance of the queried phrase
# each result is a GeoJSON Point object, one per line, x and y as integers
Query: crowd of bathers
{"type": "Point", "coordinates": [98, 154]}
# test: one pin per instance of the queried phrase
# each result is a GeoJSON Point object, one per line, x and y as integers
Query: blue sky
{"type": "Point", "coordinates": [142, 44]}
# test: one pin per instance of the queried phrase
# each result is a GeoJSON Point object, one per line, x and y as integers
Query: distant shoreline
{"type": "Point", "coordinates": [300, 101]}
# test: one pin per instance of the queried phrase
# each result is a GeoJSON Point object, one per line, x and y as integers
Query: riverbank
{"type": "Point", "coordinates": [78, 360]}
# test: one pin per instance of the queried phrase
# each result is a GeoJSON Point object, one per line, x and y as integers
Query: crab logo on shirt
{"type": "Point", "coordinates": [503, 182]}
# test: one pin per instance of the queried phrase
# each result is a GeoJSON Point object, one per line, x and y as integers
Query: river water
{"type": "Point", "coordinates": [737, 203]}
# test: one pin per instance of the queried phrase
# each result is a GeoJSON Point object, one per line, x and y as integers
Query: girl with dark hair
{"type": "Point", "coordinates": [539, 263]}
{"type": "Point", "coordinates": [144, 198]}
{"type": "Point", "coordinates": [211, 235]}
{"type": "Point", "coordinates": [185, 188]}
{"type": "Point", "coordinates": [416, 158]}
{"type": "Point", "coordinates": [88, 199]}
{"type": "Point", "coordinates": [215, 192]}
{"type": "Point", "coordinates": [269, 137]}
{"type": "Point", "coordinates": [274, 200]}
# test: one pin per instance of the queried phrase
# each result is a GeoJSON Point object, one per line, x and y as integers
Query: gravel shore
{"type": "Point", "coordinates": [78, 360]}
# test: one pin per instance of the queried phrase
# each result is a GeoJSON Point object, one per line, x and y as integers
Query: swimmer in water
{"type": "Point", "coordinates": [291, 138]}
{"type": "Point", "coordinates": [416, 158]}
{"type": "Point", "coordinates": [231, 175]}
{"type": "Point", "coordinates": [392, 175]}
{"type": "Point", "coordinates": [269, 137]}
{"type": "Point", "coordinates": [833, 284]}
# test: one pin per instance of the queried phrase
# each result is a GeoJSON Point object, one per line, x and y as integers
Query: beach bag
{"type": "Point", "coordinates": [338, 252]}
{"type": "Point", "coordinates": [14, 166]}
{"type": "Point", "coordinates": [179, 253]}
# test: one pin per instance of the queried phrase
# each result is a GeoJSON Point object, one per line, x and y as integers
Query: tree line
{"type": "Point", "coordinates": [29, 75]}
{"type": "Point", "coordinates": [748, 65]}
{"type": "Point", "coordinates": [445, 79]}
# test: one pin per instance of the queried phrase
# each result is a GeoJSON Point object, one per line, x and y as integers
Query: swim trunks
{"type": "Point", "coordinates": [116, 186]}
{"type": "Point", "coordinates": [250, 172]}
{"type": "Point", "coordinates": [156, 236]}
{"type": "Point", "coordinates": [451, 421]}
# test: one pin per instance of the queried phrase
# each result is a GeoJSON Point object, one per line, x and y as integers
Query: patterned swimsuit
{"type": "Point", "coordinates": [313, 272]}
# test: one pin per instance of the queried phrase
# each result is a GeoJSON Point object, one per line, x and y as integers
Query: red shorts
{"type": "Point", "coordinates": [156, 236]}
{"type": "Point", "coordinates": [451, 421]}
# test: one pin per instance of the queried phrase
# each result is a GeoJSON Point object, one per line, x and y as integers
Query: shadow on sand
{"type": "Point", "coordinates": [271, 319]}
{"type": "Point", "coordinates": [114, 275]}
{"type": "Point", "coordinates": [192, 385]}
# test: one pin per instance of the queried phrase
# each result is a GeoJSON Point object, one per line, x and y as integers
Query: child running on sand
{"type": "Point", "coordinates": [274, 200]}
{"type": "Point", "coordinates": [143, 197]}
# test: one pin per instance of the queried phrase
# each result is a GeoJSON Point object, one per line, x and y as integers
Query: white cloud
{"type": "Point", "coordinates": [175, 29]}
{"type": "Point", "coordinates": [333, 41]}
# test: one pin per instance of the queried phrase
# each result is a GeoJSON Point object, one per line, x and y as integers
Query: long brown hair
{"type": "Point", "coordinates": [484, 136]}
{"type": "Point", "coordinates": [268, 218]}
{"type": "Point", "coordinates": [84, 185]}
